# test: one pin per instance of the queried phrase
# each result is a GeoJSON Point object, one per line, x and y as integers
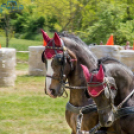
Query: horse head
{"type": "Point", "coordinates": [102, 89]}
{"type": "Point", "coordinates": [60, 61]}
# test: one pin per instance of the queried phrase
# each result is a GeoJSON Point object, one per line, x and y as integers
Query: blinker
{"type": "Point", "coordinates": [43, 58]}
{"type": "Point", "coordinates": [59, 59]}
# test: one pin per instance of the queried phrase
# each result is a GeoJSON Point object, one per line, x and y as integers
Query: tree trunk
{"type": "Point", "coordinates": [6, 29]}
{"type": "Point", "coordinates": [7, 39]}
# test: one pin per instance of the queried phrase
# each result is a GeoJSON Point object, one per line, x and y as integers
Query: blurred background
{"type": "Point", "coordinates": [92, 20]}
{"type": "Point", "coordinates": [24, 108]}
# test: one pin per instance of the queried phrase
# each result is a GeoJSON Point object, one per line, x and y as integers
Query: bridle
{"type": "Point", "coordinates": [105, 84]}
{"type": "Point", "coordinates": [118, 111]}
{"type": "Point", "coordinates": [62, 59]}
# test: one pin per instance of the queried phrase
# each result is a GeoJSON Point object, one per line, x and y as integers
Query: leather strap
{"type": "Point", "coordinates": [84, 110]}
{"type": "Point", "coordinates": [76, 87]}
{"type": "Point", "coordinates": [72, 108]}
{"type": "Point", "coordinates": [123, 112]}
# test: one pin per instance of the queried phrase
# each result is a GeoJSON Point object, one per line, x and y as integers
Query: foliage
{"type": "Point", "coordinates": [92, 20]}
{"type": "Point", "coordinates": [111, 22]}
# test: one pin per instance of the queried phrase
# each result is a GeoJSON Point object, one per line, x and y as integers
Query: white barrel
{"type": "Point", "coordinates": [36, 66]}
{"type": "Point", "coordinates": [106, 50]}
{"type": "Point", "coordinates": [127, 57]}
{"type": "Point", "coordinates": [7, 66]}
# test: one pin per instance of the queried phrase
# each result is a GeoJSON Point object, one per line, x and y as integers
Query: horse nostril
{"type": "Point", "coordinates": [109, 123]}
{"type": "Point", "coordinates": [52, 91]}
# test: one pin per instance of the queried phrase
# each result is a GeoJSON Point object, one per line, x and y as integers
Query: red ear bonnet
{"type": "Point", "coordinates": [100, 74]}
{"type": "Point", "coordinates": [94, 89]}
{"type": "Point", "coordinates": [50, 53]}
{"type": "Point", "coordinates": [45, 36]}
{"type": "Point", "coordinates": [57, 40]}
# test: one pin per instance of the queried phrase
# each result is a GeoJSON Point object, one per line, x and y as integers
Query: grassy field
{"type": "Point", "coordinates": [20, 44]}
{"type": "Point", "coordinates": [22, 57]}
{"type": "Point", "coordinates": [24, 108]}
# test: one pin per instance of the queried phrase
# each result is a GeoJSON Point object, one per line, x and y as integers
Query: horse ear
{"type": "Point", "coordinates": [45, 36]}
{"type": "Point", "coordinates": [86, 72]}
{"type": "Point", "coordinates": [57, 40]}
{"type": "Point", "coordinates": [100, 74]}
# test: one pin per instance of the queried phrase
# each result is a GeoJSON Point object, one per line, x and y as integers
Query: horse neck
{"type": "Point", "coordinates": [124, 91]}
{"type": "Point", "coordinates": [77, 96]}
{"type": "Point", "coordinates": [76, 78]}
{"type": "Point", "coordinates": [124, 81]}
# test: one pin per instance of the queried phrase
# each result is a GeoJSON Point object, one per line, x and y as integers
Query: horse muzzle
{"type": "Point", "coordinates": [107, 122]}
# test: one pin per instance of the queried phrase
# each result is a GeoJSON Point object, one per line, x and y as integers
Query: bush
{"type": "Point", "coordinates": [27, 26]}
{"type": "Point", "coordinates": [111, 21]}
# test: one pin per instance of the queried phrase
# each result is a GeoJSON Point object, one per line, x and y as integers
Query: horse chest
{"type": "Point", "coordinates": [71, 120]}
{"type": "Point", "coordinates": [88, 121]}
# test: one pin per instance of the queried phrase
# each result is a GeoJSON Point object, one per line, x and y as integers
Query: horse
{"type": "Point", "coordinates": [63, 55]}
{"type": "Point", "coordinates": [112, 87]}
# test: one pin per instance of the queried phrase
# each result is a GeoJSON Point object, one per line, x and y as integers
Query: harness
{"type": "Point", "coordinates": [118, 111]}
{"type": "Point", "coordinates": [100, 110]}
{"type": "Point", "coordinates": [61, 60]}
{"type": "Point", "coordinates": [92, 107]}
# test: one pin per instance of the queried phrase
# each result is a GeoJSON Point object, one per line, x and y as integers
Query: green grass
{"type": "Point", "coordinates": [25, 109]}
{"type": "Point", "coordinates": [23, 57]}
{"type": "Point", "coordinates": [20, 44]}
{"type": "Point", "coordinates": [22, 66]}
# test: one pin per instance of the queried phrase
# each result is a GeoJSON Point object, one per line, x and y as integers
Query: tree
{"type": "Point", "coordinates": [109, 22]}
{"type": "Point", "coordinates": [5, 24]}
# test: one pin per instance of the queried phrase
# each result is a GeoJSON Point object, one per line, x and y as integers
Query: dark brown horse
{"type": "Point", "coordinates": [108, 90]}
{"type": "Point", "coordinates": [63, 57]}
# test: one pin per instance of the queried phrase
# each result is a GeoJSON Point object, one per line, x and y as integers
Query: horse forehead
{"type": "Point", "coordinates": [49, 61]}
{"type": "Point", "coordinates": [49, 66]}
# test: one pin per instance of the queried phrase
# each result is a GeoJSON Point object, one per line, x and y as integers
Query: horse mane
{"type": "Point", "coordinates": [104, 59]}
{"type": "Point", "coordinates": [72, 37]}
{"type": "Point", "coordinates": [116, 63]}
{"type": "Point", "coordinates": [76, 41]}
{"type": "Point", "coordinates": [122, 67]}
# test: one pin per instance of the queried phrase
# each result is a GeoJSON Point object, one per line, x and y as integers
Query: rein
{"type": "Point", "coordinates": [91, 84]}
{"type": "Point", "coordinates": [120, 112]}
{"type": "Point", "coordinates": [62, 76]}
{"type": "Point", "coordinates": [60, 79]}
{"type": "Point", "coordinates": [70, 87]}
{"type": "Point", "coordinates": [117, 111]}
{"type": "Point", "coordinates": [121, 104]}
{"type": "Point", "coordinates": [76, 87]}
